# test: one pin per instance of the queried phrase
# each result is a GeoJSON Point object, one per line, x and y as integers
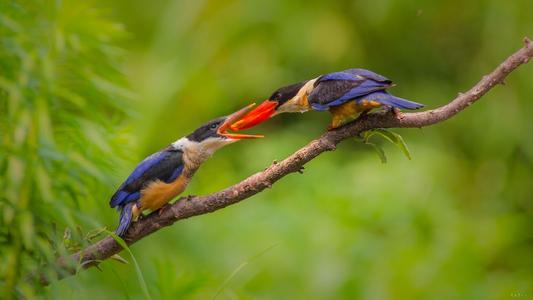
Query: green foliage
{"type": "Point", "coordinates": [380, 152]}
{"type": "Point", "coordinates": [61, 96]}
{"type": "Point", "coordinates": [140, 275]}
{"type": "Point", "coordinates": [455, 223]}
{"type": "Point", "coordinates": [388, 135]}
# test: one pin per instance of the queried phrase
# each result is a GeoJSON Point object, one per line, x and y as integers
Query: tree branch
{"type": "Point", "coordinates": [190, 206]}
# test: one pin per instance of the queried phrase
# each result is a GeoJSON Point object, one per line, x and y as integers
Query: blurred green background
{"type": "Point", "coordinates": [89, 88]}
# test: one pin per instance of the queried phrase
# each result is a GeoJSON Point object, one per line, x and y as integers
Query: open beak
{"type": "Point", "coordinates": [231, 119]}
{"type": "Point", "coordinates": [256, 116]}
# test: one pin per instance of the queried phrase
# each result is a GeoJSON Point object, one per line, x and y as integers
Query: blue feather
{"type": "Point", "coordinates": [366, 87]}
{"type": "Point", "coordinates": [165, 165]}
{"type": "Point", "coordinates": [126, 216]}
{"type": "Point", "coordinates": [339, 76]}
{"type": "Point", "coordinates": [175, 175]}
{"type": "Point", "coordinates": [367, 74]}
{"type": "Point", "coordinates": [120, 195]}
{"type": "Point", "coordinates": [132, 197]}
{"type": "Point", "coordinates": [354, 74]}
{"type": "Point", "coordinates": [390, 100]}
{"type": "Point", "coordinates": [146, 164]}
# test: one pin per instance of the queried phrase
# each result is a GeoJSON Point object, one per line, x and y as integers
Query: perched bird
{"type": "Point", "coordinates": [344, 94]}
{"type": "Point", "coordinates": [165, 174]}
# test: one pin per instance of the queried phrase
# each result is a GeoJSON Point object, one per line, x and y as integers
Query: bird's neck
{"type": "Point", "coordinates": [194, 154]}
{"type": "Point", "coordinates": [299, 103]}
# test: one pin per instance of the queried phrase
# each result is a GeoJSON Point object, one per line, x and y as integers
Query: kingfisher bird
{"type": "Point", "coordinates": [165, 174]}
{"type": "Point", "coordinates": [345, 94]}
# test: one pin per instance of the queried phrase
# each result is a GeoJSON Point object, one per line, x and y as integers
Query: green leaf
{"type": "Point", "coordinates": [120, 259]}
{"type": "Point", "coordinates": [390, 136]}
{"type": "Point", "coordinates": [27, 229]}
{"type": "Point", "coordinates": [140, 276]}
{"type": "Point", "coordinates": [402, 145]}
{"type": "Point", "coordinates": [379, 151]}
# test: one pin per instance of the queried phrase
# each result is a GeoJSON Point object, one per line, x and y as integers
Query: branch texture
{"type": "Point", "coordinates": [188, 207]}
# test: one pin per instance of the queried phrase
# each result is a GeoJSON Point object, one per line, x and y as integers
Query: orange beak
{"type": "Point", "coordinates": [258, 115]}
{"type": "Point", "coordinates": [235, 117]}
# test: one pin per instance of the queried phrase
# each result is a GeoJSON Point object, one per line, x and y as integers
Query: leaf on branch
{"type": "Point", "coordinates": [390, 136]}
{"type": "Point", "coordinates": [119, 258]}
{"type": "Point", "coordinates": [379, 151]}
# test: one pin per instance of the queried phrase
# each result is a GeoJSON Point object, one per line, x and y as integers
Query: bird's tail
{"type": "Point", "coordinates": [390, 100]}
{"type": "Point", "coordinates": [126, 216]}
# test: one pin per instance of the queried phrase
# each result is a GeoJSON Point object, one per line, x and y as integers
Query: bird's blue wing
{"type": "Point", "coordinates": [365, 88]}
{"type": "Point", "coordinates": [337, 88]}
{"type": "Point", "coordinates": [165, 165]}
{"type": "Point", "coordinates": [354, 75]}
{"type": "Point", "coordinates": [145, 165]}
{"type": "Point", "coordinates": [338, 76]}
{"type": "Point", "coordinates": [390, 100]}
{"type": "Point", "coordinates": [367, 74]}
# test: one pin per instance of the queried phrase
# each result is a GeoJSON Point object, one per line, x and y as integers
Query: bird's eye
{"type": "Point", "coordinates": [213, 126]}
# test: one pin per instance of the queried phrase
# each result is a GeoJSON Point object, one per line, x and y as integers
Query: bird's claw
{"type": "Point", "coordinates": [396, 112]}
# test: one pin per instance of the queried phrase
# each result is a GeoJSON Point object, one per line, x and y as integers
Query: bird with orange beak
{"type": "Point", "coordinates": [165, 174]}
{"type": "Point", "coordinates": [345, 94]}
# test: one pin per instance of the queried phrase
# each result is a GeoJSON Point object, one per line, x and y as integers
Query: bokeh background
{"type": "Point", "coordinates": [89, 88]}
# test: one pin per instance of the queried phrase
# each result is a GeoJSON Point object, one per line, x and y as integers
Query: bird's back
{"type": "Point", "coordinates": [337, 88]}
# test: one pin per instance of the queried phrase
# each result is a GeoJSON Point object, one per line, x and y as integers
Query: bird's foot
{"type": "Point", "coordinates": [396, 112]}
{"type": "Point", "coordinates": [137, 212]}
{"type": "Point", "coordinates": [189, 197]}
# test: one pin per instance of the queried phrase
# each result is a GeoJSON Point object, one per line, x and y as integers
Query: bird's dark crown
{"type": "Point", "coordinates": [286, 93]}
{"type": "Point", "coordinates": [207, 130]}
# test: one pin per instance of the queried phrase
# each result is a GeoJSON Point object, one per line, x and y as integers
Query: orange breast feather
{"type": "Point", "coordinates": [348, 111]}
{"type": "Point", "coordinates": [159, 193]}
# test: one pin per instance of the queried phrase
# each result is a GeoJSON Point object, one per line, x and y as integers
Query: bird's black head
{"type": "Point", "coordinates": [286, 93]}
{"type": "Point", "coordinates": [218, 129]}
{"type": "Point", "coordinates": [211, 136]}
{"type": "Point", "coordinates": [208, 130]}
{"type": "Point", "coordinates": [273, 105]}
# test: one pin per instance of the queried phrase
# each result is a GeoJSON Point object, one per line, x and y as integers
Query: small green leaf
{"type": "Point", "coordinates": [27, 229]}
{"type": "Point", "coordinates": [390, 136]}
{"type": "Point", "coordinates": [380, 152]}
{"type": "Point", "coordinates": [402, 145]}
{"type": "Point", "coordinates": [120, 259]}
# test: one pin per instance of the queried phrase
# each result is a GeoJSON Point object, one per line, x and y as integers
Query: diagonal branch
{"type": "Point", "coordinates": [198, 205]}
